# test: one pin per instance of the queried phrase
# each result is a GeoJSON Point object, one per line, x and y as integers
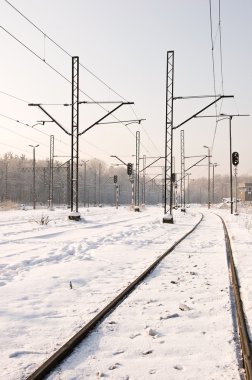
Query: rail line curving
{"type": "Point", "coordinates": [242, 326]}
{"type": "Point", "coordinates": [66, 349]}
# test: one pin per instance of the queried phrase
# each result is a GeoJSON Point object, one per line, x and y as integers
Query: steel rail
{"type": "Point", "coordinates": [53, 361]}
{"type": "Point", "coordinates": [242, 326]}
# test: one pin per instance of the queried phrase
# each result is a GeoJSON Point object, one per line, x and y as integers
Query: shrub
{"type": "Point", "coordinates": [44, 220]}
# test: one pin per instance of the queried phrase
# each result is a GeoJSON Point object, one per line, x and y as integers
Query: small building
{"type": "Point", "coordinates": [245, 191]}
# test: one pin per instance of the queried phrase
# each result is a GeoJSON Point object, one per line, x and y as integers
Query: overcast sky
{"type": "Point", "coordinates": [124, 44]}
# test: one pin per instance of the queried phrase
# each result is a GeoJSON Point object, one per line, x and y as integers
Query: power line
{"type": "Point", "coordinates": [13, 147]}
{"type": "Point", "coordinates": [95, 146]}
{"type": "Point", "coordinates": [81, 65]}
{"type": "Point", "coordinates": [62, 49]}
{"type": "Point", "coordinates": [17, 121]}
{"type": "Point", "coordinates": [20, 135]}
{"type": "Point", "coordinates": [213, 62]}
{"type": "Point", "coordinates": [55, 70]}
{"type": "Point", "coordinates": [44, 133]}
{"type": "Point", "coordinates": [50, 66]}
{"type": "Point", "coordinates": [14, 97]}
{"type": "Point", "coordinates": [36, 55]}
{"type": "Point", "coordinates": [221, 55]}
{"type": "Point", "coordinates": [212, 44]}
{"type": "Point", "coordinates": [146, 135]}
{"type": "Point", "coordinates": [212, 49]}
{"type": "Point", "coordinates": [27, 125]}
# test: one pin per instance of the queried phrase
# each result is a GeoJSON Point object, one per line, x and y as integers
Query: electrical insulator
{"type": "Point", "coordinates": [235, 158]}
{"type": "Point", "coordinates": [129, 168]}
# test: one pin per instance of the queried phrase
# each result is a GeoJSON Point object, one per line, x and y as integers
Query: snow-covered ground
{"type": "Point", "coordinates": [240, 232]}
{"type": "Point", "coordinates": [177, 325]}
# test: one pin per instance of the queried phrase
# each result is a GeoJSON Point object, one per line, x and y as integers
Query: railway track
{"type": "Point", "coordinates": [65, 351]}
{"type": "Point", "coordinates": [243, 330]}
{"type": "Point", "coordinates": [62, 353]}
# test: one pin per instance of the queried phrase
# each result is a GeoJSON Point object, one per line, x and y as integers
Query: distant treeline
{"type": "Point", "coordinates": [96, 184]}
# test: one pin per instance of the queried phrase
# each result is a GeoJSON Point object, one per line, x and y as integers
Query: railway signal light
{"type": "Point", "coordinates": [235, 158]}
{"type": "Point", "coordinates": [115, 178]}
{"type": "Point", "coordinates": [173, 177]}
{"type": "Point", "coordinates": [129, 168]}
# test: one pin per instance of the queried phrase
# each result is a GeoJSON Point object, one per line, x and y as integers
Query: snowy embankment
{"type": "Point", "coordinates": [100, 255]}
{"type": "Point", "coordinates": [177, 325]}
{"type": "Point", "coordinates": [240, 232]}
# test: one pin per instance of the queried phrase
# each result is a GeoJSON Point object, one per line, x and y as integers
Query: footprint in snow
{"type": "Point", "coordinates": [93, 311]}
{"type": "Point", "coordinates": [100, 374]}
{"type": "Point", "coordinates": [16, 354]}
{"type": "Point", "coordinates": [152, 333]}
{"type": "Point", "coordinates": [147, 352]}
{"type": "Point", "coordinates": [175, 315]}
{"type": "Point", "coordinates": [178, 367]}
{"type": "Point", "coordinates": [152, 371]}
{"type": "Point", "coordinates": [133, 336]}
{"type": "Point", "coordinates": [118, 352]}
{"type": "Point", "coordinates": [151, 301]}
{"type": "Point", "coordinates": [193, 274]}
{"type": "Point", "coordinates": [114, 366]}
{"type": "Point", "coordinates": [184, 307]}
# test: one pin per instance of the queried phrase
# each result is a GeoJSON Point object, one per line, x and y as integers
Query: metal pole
{"type": "Point", "coordinates": [188, 189]}
{"type": "Point", "coordinates": [182, 182]}
{"type": "Point", "coordinates": [230, 164]}
{"type": "Point", "coordinates": [68, 171]}
{"type": "Point", "coordinates": [176, 194]}
{"type": "Point", "coordinates": [50, 200]}
{"type": "Point", "coordinates": [169, 136]}
{"type": "Point", "coordinates": [85, 181]}
{"type": "Point", "coordinates": [132, 192]}
{"type": "Point", "coordinates": [34, 181]}
{"type": "Point", "coordinates": [99, 185]}
{"type": "Point", "coordinates": [6, 181]}
{"type": "Point", "coordinates": [208, 178]}
{"type": "Point", "coordinates": [214, 165]}
{"type": "Point", "coordinates": [84, 184]}
{"type": "Point", "coordinates": [144, 165]}
{"type": "Point", "coordinates": [95, 183]}
{"type": "Point", "coordinates": [75, 140]}
{"type": "Point", "coordinates": [137, 171]}
{"type": "Point", "coordinates": [235, 170]}
{"type": "Point", "coordinates": [230, 154]}
{"type": "Point", "coordinates": [34, 176]}
{"type": "Point", "coordinates": [213, 182]}
{"type": "Point", "coordinates": [208, 186]}
{"type": "Point", "coordinates": [117, 195]}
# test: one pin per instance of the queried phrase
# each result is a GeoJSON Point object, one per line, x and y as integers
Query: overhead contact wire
{"type": "Point", "coordinates": [84, 67]}
{"type": "Point", "coordinates": [213, 68]}
{"type": "Point", "coordinates": [221, 55]}
{"type": "Point", "coordinates": [62, 49]}
{"type": "Point", "coordinates": [14, 97]}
